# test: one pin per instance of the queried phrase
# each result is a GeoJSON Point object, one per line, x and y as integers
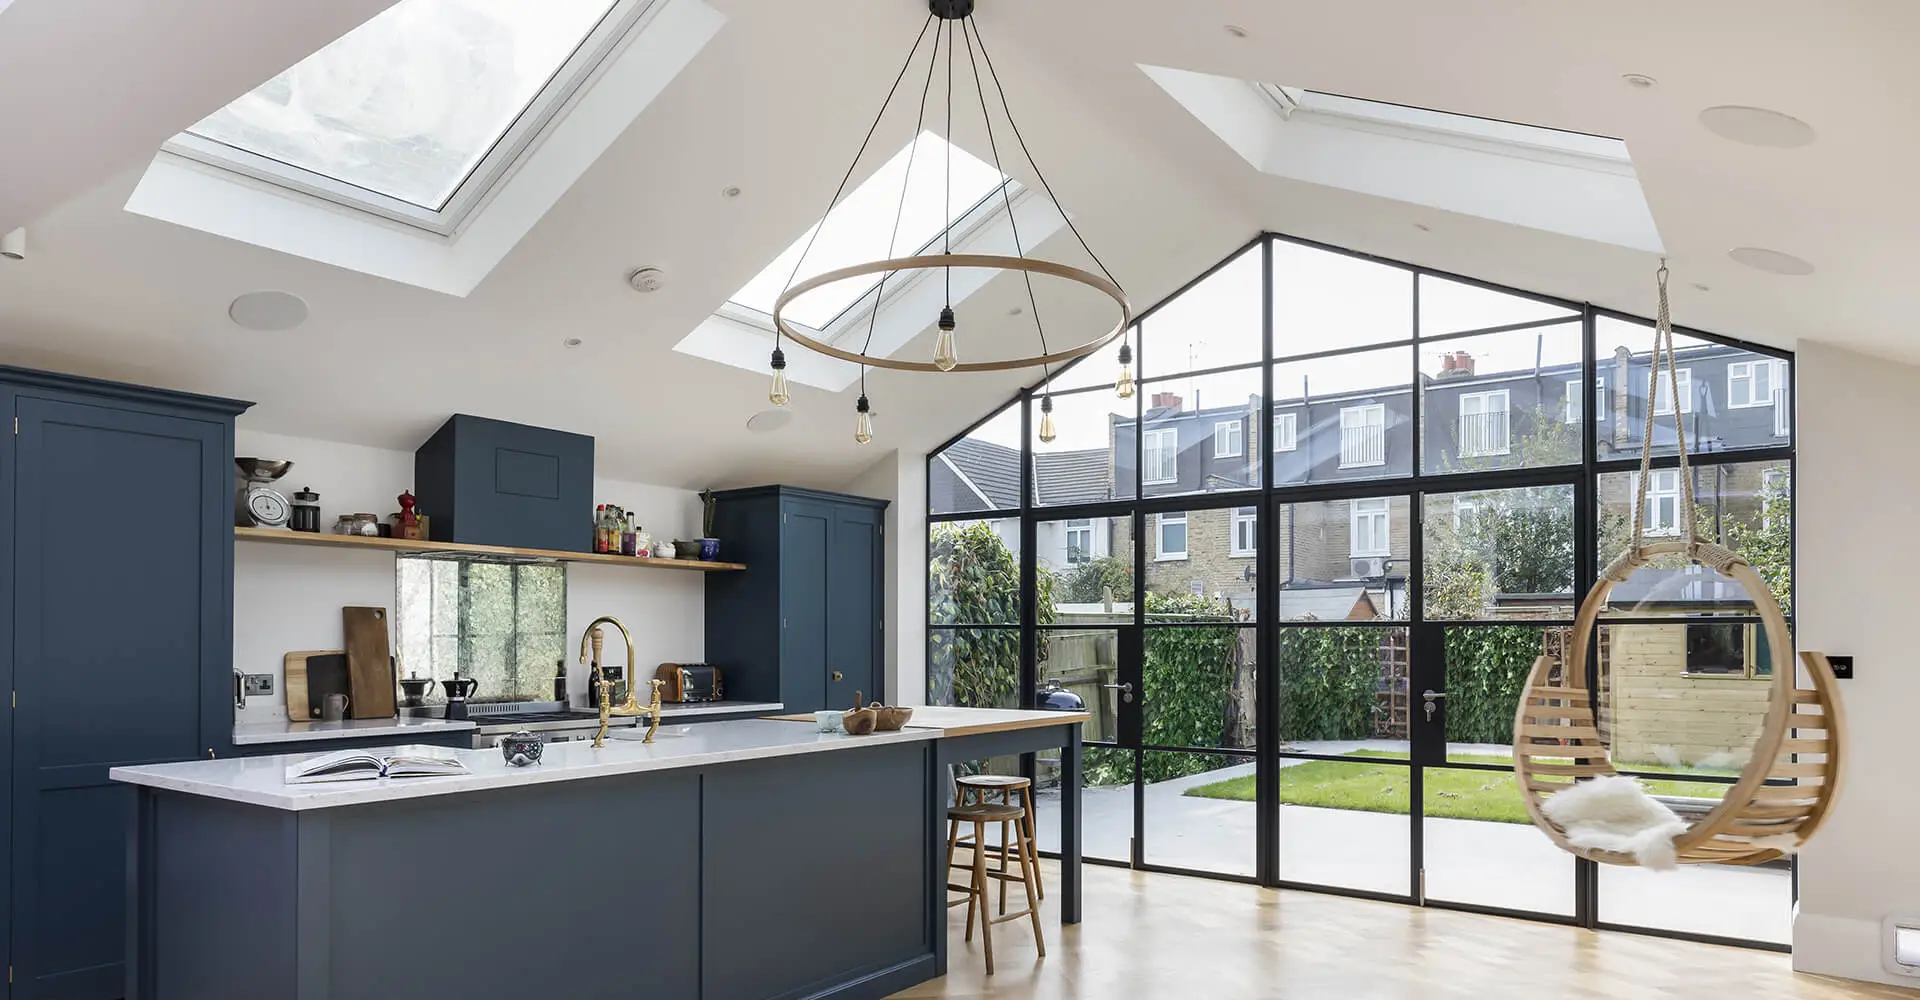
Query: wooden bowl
{"type": "Point", "coordinates": [859, 721]}
{"type": "Point", "coordinates": [889, 718]}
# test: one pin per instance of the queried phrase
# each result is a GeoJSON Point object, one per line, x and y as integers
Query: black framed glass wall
{"type": "Point", "coordinates": [1343, 483]}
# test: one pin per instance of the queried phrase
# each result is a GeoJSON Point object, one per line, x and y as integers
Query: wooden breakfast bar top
{"type": "Point", "coordinates": [952, 721]}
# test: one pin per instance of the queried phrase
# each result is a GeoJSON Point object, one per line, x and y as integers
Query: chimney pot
{"type": "Point", "coordinates": [1166, 401]}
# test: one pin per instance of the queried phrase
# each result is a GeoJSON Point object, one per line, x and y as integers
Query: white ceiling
{"type": "Point", "coordinates": [777, 103]}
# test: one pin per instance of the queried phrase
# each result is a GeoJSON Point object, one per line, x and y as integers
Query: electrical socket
{"type": "Point", "coordinates": [255, 685]}
{"type": "Point", "coordinates": [1842, 667]}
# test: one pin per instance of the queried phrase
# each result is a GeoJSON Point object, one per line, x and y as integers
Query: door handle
{"type": "Point", "coordinates": [838, 677]}
{"type": "Point", "coordinates": [1430, 698]}
{"type": "Point", "coordinates": [1126, 691]}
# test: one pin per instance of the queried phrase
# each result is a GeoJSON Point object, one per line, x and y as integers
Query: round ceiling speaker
{"type": "Point", "coordinates": [1756, 126]}
{"type": "Point", "coordinates": [268, 311]}
{"type": "Point", "coordinates": [1771, 261]}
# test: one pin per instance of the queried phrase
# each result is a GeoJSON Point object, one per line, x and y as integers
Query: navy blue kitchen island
{"type": "Point", "coordinates": [744, 860]}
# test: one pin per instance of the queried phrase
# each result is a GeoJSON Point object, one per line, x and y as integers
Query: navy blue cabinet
{"type": "Point", "coordinates": [802, 624]}
{"type": "Point", "coordinates": [116, 574]}
{"type": "Point", "coordinates": [490, 482]}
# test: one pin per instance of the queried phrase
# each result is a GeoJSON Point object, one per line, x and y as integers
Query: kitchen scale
{"type": "Point", "coordinates": [256, 504]}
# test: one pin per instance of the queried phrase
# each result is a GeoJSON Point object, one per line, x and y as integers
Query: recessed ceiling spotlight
{"type": "Point", "coordinates": [1016, 310]}
{"type": "Point", "coordinates": [646, 279]}
{"type": "Point", "coordinates": [1235, 30]}
{"type": "Point", "coordinates": [571, 342]}
{"type": "Point", "coordinates": [1701, 286]}
{"type": "Point", "coordinates": [730, 191]}
{"type": "Point", "coordinates": [1770, 261]}
{"type": "Point", "coordinates": [1639, 81]}
{"type": "Point", "coordinates": [768, 421]}
{"type": "Point", "coordinates": [1756, 126]}
{"type": "Point", "coordinates": [268, 311]}
{"type": "Point", "coordinates": [1423, 227]}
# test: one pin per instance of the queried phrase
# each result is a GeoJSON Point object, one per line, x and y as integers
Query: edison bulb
{"type": "Point", "coordinates": [1047, 433]}
{"type": "Point", "coordinates": [1123, 386]}
{"type": "Point", "coordinates": [778, 395]}
{"type": "Point", "coordinates": [862, 422]}
{"type": "Point", "coordinates": [944, 357]}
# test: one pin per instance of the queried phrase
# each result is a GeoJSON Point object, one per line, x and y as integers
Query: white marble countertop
{"type": "Point", "coordinates": [260, 780]}
{"type": "Point", "coordinates": [400, 729]}
{"type": "Point", "coordinates": [689, 709]}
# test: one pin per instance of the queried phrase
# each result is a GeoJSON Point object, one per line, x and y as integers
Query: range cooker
{"type": "Point", "coordinates": [552, 721]}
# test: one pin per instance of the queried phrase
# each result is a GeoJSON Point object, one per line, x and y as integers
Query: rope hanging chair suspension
{"type": "Point", "coordinates": [1793, 775]}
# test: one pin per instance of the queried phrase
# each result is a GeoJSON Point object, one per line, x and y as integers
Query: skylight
{"type": "Point", "coordinates": [858, 228]}
{"type": "Point", "coordinates": [410, 105]}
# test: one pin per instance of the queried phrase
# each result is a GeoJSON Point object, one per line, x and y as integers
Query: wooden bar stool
{"type": "Point", "coordinates": [980, 814]}
{"type": "Point", "coordinates": [984, 787]}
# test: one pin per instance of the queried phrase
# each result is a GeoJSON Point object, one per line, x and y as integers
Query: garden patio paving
{"type": "Point", "coordinates": [1506, 865]}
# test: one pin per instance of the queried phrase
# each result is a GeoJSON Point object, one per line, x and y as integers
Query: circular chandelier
{"type": "Point", "coordinates": [944, 19]}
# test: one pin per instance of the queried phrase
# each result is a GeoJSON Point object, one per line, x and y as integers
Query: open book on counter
{"type": "Point", "coordinates": [417, 761]}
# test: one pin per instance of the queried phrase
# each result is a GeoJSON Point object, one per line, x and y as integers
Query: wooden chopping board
{"type": "Point", "coordinates": [294, 678]}
{"type": "Point", "coordinates": [369, 664]}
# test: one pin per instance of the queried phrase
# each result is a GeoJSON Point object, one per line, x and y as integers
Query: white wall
{"type": "Point", "coordinates": [902, 478]}
{"type": "Point", "coordinates": [1858, 499]}
{"type": "Point", "coordinates": [289, 597]}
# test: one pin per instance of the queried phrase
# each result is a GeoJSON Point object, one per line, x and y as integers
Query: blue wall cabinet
{"type": "Point", "coordinates": [490, 482]}
{"type": "Point", "coordinates": [802, 625]}
{"type": "Point", "coordinates": [116, 574]}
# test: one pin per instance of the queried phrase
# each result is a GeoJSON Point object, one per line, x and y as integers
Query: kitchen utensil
{"type": "Point", "coordinates": [369, 662]}
{"type": "Point", "coordinates": [858, 721]}
{"type": "Point", "coordinates": [306, 511]}
{"type": "Point", "coordinates": [255, 503]}
{"type": "Point", "coordinates": [334, 708]}
{"type": "Point", "coordinates": [293, 678]}
{"type": "Point", "coordinates": [521, 748]}
{"type": "Point", "coordinates": [416, 688]}
{"type": "Point", "coordinates": [326, 674]}
{"type": "Point", "coordinates": [690, 682]}
{"type": "Point", "coordinates": [828, 720]}
{"type": "Point", "coordinates": [459, 689]}
{"type": "Point", "coordinates": [889, 718]}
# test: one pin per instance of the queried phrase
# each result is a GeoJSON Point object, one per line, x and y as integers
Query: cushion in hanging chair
{"type": "Point", "coordinates": [1613, 813]}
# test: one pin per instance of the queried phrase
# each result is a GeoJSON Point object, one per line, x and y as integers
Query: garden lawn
{"type": "Point", "coordinates": [1383, 787]}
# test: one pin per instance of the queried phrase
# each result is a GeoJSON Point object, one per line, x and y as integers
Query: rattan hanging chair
{"type": "Point", "coordinates": [1789, 782]}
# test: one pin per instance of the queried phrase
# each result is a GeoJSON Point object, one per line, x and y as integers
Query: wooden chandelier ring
{"type": "Point", "coordinates": [1766, 747]}
{"type": "Point", "coordinates": [998, 262]}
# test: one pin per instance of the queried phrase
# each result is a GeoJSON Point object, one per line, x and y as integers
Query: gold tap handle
{"type": "Point", "coordinates": [599, 641]}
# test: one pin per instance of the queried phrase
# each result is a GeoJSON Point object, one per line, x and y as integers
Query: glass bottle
{"type": "Point", "coordinates": [600, 528]}
{"type": "Point", "coordinates": [626, 535]}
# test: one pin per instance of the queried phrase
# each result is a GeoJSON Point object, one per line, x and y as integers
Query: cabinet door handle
{"type": "Point", "coordinates": [838, 677]}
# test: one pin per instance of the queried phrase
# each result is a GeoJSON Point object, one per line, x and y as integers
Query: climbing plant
{"type": "Point", "coordinates": [1329, 678]}
{"type": "Point", "coordinates": [1187, 682]}
{"type": "Point", "coordinates": [973, 578]}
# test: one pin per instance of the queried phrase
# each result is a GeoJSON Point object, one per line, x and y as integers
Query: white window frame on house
{"type": "Point", "coordinates": [1286, 431]}
{"type": "Point", "coordinates": [1076, 527]}
{"type": "Point", "coordinates": [1160, 446]}
{"type": "Point", "coordinates": [1226, 438]}
{"type": "Point", "coordinates": [1770, 480]}
{"type": "Point", "coordinates": [526, 130]}
{"type": "Point", "coordinates": [1482, 445]}
{"type": "Point", "coordinates": [1664, 489]}
{"type": "Point", "coordinates": [1600, 407]}
{"type": "Point", "coordinates": [1244, 536]}
{"type": "Point", "coordinates": [1574, 389]}
{"type": "Point", "coordinates": [1745, 375]}
{"type": "Point", "coordinates": [1370, 445]}
{"type": "Point", "coordinates": [1662, 404]}
{"type": "Point", "coordinates": [1379, 513]}
{"type": "Point", "coordinates": [1161, 522]}
{"type": "Point", "coordinates": [1466, 507]}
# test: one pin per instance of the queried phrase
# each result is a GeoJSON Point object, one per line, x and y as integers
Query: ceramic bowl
{"type": "Point", "coordinates": [683, 549]}
{"type": "Point", "coordinates": [709, 549]}
{"type": "Point", "coordinates": [522, 748]}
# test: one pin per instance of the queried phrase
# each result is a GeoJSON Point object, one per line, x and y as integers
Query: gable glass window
{"type": "Point", "coordinates": [1159, 461]}
{"type": "Point", "coordinates": [857, 229]}
{"type": "Point", "coordinates": [502, 624]}
{"type": "Point", "coordinates": [1368, 530]}
{"type": "Point", "coordinates": [1286, 431]}
{"type": "Point", "coordinates": [1226, 439]}
{"type": "Point", "coordinates": [1363, 436]}
{"type": "Point", "coordinates": [1245, 526]}
{"type": "Point", "coordinates": [1663, 392]}
{"type": "Point", "coordinates": [1750, 383]}
{"type": "Point", "coordinates": [1170, 535]}
{"type": "Point", "coordinates": [418, 112]}
{"type": "Point", "coordinates": [1483, 424]}
{"type": "Point", "coordinates": [1079, 541]}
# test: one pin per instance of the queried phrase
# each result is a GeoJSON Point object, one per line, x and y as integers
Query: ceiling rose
{"type": "Point", "coordinates": [966, 55]}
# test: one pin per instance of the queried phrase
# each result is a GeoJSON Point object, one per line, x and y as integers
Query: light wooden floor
{"type": "Point", "coordinates": [1164, 937]}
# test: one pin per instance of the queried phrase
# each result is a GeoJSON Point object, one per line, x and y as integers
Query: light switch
{"type": "Point", "coordinates": [1900, 940]}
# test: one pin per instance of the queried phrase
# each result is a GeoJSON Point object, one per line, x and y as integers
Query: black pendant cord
{"type": "Point", "coordinates": [851, 167]}
{"type": "Point", "coordinates": [948, 271]}
{"type": "Point", "coordinates": [1006, 198]}
{"type": "Point", "coordinates": [900, 210]}
{"type": "Point", "coordinates": [987, 57]}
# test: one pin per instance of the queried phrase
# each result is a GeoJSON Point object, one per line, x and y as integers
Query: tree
{"type": "Point", "coordinates": [1093, 582]}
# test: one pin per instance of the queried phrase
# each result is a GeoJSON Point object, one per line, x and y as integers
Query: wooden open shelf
{"type": "Point", "coordinates": [276, 536]}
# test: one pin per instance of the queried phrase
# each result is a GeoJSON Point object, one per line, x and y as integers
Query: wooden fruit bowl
{"type": "Point", "coordinates": [889, 718]}
{"type": "Point", "coordinates": [859, 721]}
